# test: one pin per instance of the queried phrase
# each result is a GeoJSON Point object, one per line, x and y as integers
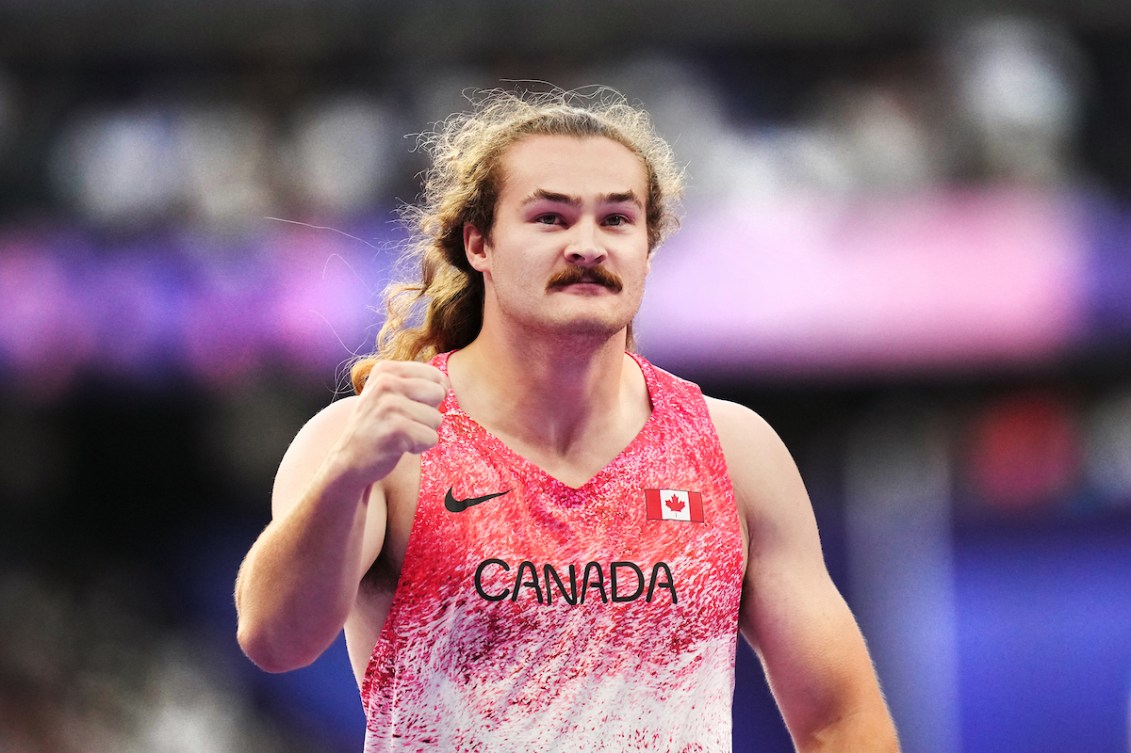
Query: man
{"type": "Point", "coordinates": [534, 539]}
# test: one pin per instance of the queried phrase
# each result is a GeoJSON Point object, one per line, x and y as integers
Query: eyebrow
{"type": "Point", "coordinates": [621, 197]}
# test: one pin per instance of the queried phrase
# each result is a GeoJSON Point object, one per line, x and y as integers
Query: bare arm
{"type": "Point", "coordinates": [813, 653]}
{"type": "Point", "coordinates": [300, 579]}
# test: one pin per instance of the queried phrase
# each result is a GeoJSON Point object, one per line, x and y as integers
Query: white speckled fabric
{"type": "Point", "coordinates": [551, 619]}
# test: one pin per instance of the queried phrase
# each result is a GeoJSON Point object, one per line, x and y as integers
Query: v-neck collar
{"type": "Point", "coordinates": [491, 442]}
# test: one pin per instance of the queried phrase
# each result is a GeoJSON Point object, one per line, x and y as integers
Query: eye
{"type": "Point", "coordinates": [548, 219]}
{"type": "Point", "coordinates": [616, 220]}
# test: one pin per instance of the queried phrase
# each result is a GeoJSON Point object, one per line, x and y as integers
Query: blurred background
{"type": "Point", "coordinates": [907, 243]}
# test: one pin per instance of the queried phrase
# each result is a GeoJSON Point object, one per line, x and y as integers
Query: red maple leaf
{"type": "Point", "coordinates": [674, 503]}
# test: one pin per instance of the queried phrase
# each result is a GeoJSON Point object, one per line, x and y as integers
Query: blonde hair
{"type": "Point", "coordinates": [443, 309]}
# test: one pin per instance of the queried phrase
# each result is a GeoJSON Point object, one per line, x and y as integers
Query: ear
{"type": "Point", "coordinates": [475, 247]}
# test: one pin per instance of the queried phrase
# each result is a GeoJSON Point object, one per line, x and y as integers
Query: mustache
{"type": "Point", "coordinates": [597, 275]}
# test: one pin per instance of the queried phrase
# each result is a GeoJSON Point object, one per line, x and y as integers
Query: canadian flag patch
{"type": "Point", "coordinates": [674, 504]}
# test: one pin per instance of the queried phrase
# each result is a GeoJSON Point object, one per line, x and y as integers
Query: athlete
{"type": "Point", "coordinates": [534, 539]}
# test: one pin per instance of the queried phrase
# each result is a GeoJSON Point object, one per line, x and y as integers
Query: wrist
{"type": "Point", "coordinates": [342, 477]}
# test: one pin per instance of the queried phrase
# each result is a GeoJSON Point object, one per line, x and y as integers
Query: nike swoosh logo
{"type": "Point", "coordinates": [459, 505]}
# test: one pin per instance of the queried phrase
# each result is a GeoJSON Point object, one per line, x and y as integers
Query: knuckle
{"type": "Point", "coordinates": [398, 423]}
{"type": "Point", "coordinates": [389, 384]}
{"type": "Point", "coordinates": [427, 441]}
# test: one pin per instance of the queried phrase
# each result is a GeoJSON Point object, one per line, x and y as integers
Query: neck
{"type": "Point", "coordinates": [552, 393]}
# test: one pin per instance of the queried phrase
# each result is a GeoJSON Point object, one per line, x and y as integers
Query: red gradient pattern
{"type": "Point", "coordinates": [556, 619]}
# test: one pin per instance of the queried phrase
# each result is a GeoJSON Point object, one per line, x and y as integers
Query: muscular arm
{"type": "Point", "coordinates": [813, 653]}
{"type": "Point", "coordinates": [300, 579]}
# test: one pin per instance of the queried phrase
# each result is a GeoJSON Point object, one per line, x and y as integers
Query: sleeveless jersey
{"type": "Point", "coordinates": [532, 617]}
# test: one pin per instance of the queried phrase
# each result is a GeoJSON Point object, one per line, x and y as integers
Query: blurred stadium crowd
{"type": "Point", "coordinates": [161, 225]}
{"type": "Point", "coordinates": [122, 147]}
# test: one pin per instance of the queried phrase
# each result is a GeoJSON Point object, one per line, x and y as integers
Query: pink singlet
{"type": "Point", "coordinates": [532, 617]}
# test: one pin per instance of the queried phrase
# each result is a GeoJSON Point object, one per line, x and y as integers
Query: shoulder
{"type": "Point", "coordinates": [763, 473]}
{"type": "Point", "coordinates": [740, 429]}
{"type": "Point", "coordinates": [308, 450]}
{"type": "Point", "coordinates": [324, 427]}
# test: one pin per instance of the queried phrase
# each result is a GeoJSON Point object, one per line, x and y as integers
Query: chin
{"type": "Point", "coordinates": [590, 329]}
{"type": "Point", "coordinates": [580, 323]}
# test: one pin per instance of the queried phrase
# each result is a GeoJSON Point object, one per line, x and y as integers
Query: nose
{"type": "Point", "coordinates": [585, 248]}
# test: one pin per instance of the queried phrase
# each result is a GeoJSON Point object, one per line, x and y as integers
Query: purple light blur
{"type": "Point", "coordinates": [946, 280]}
{"type": "Point", "coordinates": [296, 299]}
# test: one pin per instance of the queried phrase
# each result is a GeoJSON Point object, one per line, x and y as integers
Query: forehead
{"type": "Point", "coordinates": [577, 166]}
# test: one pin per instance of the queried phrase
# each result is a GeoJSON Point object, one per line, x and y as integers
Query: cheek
{"type": "Point", "coordinates": [638, 273]}
{"type": "Point", "coordinates": [512, 272]}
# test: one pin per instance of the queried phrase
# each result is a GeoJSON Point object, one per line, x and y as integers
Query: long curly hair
{"type": "Point", "coordinates": [443, 309]}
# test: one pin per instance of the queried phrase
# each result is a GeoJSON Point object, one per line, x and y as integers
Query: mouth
{"type": "Point", "coordinates": [584, 283]}
{"type": "Point", "coordinates": [583, 279]}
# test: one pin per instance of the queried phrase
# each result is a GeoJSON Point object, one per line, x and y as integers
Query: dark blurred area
{"type": "Point", "coordinates": [907, 244]}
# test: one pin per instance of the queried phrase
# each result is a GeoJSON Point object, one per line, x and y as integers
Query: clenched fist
{"type": "Point", "coordinates": [397, 413]}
